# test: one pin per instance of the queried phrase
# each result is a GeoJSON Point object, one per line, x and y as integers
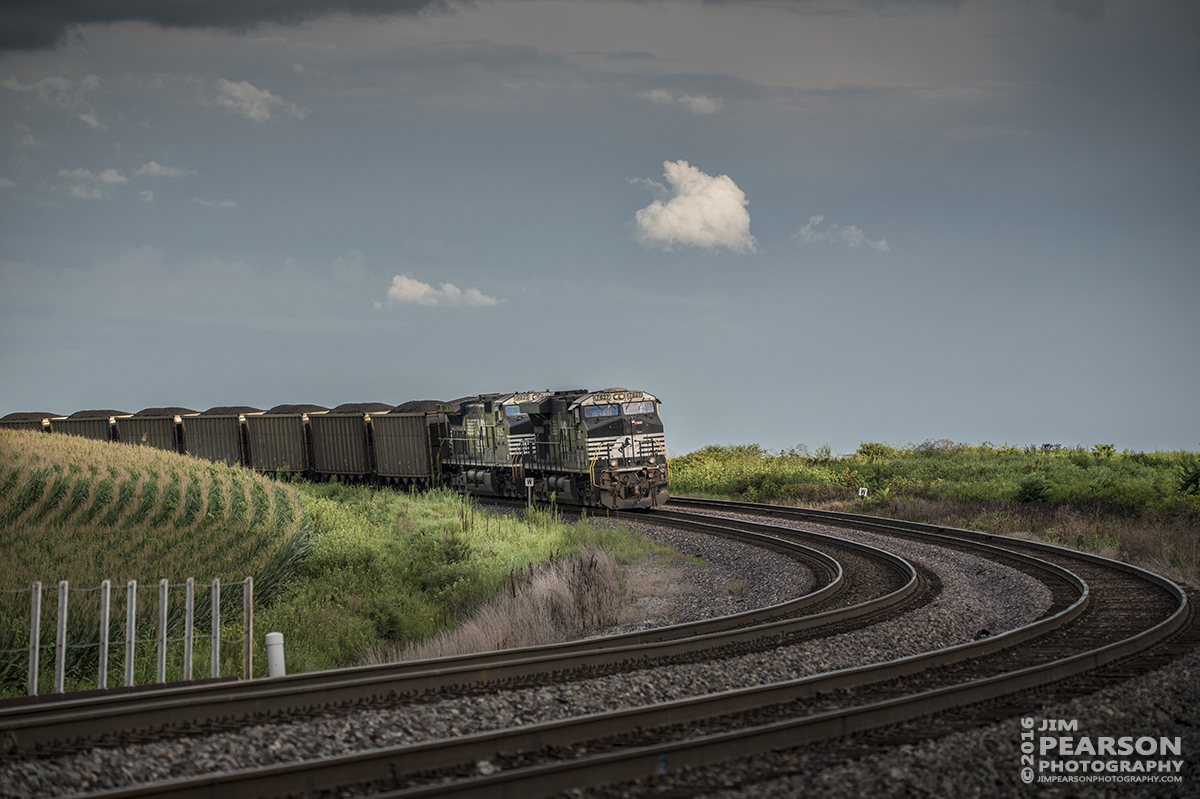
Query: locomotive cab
{"type": "Point", "coordinates": [626, 449]}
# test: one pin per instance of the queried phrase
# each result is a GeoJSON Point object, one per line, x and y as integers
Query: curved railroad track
{"type": "Point", "coordinates": [1101, 614]}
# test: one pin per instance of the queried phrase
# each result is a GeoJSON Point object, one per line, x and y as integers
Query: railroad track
{"type": "Point", "coordinates": [1102, 613]}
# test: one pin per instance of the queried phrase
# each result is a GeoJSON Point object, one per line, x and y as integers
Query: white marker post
{"type": "Point", "coordinates": [862, 493]}
{"type": "Point", "coordinates": [275, 666]}
{"type": "Point", "coordinates": [529, 491]}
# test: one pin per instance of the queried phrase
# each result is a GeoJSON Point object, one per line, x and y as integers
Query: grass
{"type": "Point", "coordinates": [1136, 506]}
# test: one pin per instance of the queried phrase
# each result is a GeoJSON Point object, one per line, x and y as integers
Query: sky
{"type": "Point", "coordinates": [794, 222]}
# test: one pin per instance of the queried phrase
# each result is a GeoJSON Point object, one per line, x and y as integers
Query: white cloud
{"type": "Point", "coordinates": [698, 210]}
{"type": "Point", "coordinates": [215, 203]}
{"type": "Point", "coordinates": [5, 183]}
{"type": "Point", "coordinates": [66, 94]}
{"type": "Point", "coordinates": [110, 176]}
{"type": "Point", "coordinates": [658, 96]}
{"type": "Point", "coordinates": [405, 289]}
{"type": "Point", "coordinates": [157, 170]}
{"type": "Point", "coordinates": [28, 140]}
{"type": "Point", "coordinates": [834, 233]}
{"type": "Point", "coordinates": [696, 103]}
{"type": "Point", "coordinates": [253, 103]}
{"type": "Point", "coordinates": [147, 196]}
{"type": "Point", "coordinates": [86, 185]}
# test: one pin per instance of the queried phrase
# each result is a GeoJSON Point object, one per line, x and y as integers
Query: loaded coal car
{"type": "Point", "coordinates": [278, 440]}
{"type": "Point", "coordinates": [27, 420]}
{"type": "Point", "coordinates": [100, 425]}
{"type": "Point", "coordinates": [218, 434]}
{"type": "Point", "coordinates": [341, 440]}
{"type": "Point", "coordinates": [406, 444]}
{"type": "Point", "coordinates": [153, 427]}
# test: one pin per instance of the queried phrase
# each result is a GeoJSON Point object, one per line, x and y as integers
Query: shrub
{"type": "Point", "coordinates": [1034, 488]}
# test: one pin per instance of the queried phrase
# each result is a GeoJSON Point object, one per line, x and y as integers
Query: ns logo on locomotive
{"type": "Point", "coordinates": [602, 449]}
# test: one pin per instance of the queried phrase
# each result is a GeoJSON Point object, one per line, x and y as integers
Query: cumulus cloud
{"type": "Point", "coordinates": [696, 103]}
{"type": "Point", "coordinates": [147, 196]}
{"type": "Point", "coordinates": [254, 104]}
{"type": "Point", "coordinates": [697, 210]}
{"type": "Point", "coordinates": [215, 203]}
{"type": "Point", "coordinates": [408, 290]}
{"type": "Point", "coordinates": [157, 170]}
{"type": "Point", "coordinates": [834, 233]}
{"type": "Point", "coordinates": [86, 185]}
{"type": "Point", "coordinates": [69, 95]}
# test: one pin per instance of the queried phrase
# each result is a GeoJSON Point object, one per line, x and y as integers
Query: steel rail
{"type": "Point", "coordinates": [385, 765]}
{"type": "Point", "coordinates": [105, 718]}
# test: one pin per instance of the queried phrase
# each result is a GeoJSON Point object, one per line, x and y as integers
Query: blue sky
{"type": "Point", "coordinates": [795, 222]}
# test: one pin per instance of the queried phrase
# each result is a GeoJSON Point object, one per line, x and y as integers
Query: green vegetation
{"type": "Point", "coordinates": [396, 568]}
{"type": "Point", "coordinates": [1144, 507]}
{"type": "Point", "coordinates": [340, 570]}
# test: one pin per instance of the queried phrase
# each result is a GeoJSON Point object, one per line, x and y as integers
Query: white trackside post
{"type": "Point", "coordinates": [275, 666]}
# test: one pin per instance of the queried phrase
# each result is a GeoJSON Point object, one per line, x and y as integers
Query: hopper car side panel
{"type": "Point", "coordinates": [215, 438]}
{"type": "Point", "coordinates": [149, 431]}
{"type": "Point", "coordinates": [277, 442]}
{"type": "Point", "coordinates": [97, 428]}
{"type": "Point", "coordinates": [339, 444]}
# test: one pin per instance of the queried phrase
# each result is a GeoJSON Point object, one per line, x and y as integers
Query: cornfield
{"type": "Point", "coordinates": [85, 511]}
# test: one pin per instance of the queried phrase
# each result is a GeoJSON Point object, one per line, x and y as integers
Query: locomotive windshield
{"type": "Point", "coordinates": [512, 410]}
{"type": "Point", "coordinates": [596, 411]}
{"type": "Point", "coordinates": [631, 408]}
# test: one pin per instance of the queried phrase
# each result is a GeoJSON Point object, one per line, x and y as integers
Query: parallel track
{"type": "Point", "coordinates": [1103, 612]}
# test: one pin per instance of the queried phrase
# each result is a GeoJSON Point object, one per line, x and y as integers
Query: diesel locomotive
{"type": "Point", "coordinates": [600, 449]}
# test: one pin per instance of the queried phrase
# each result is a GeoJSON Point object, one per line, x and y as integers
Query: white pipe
{"type": "Point", "coordinates": [216, 628]}
{"type": "Point", "coordinates": [162, 630]}
{"type": "Point", "coordinates": [130, 628]}
{"type": "Point", "coordinates": [35, 636]}
{"type": "Point", "coordinates": [275, 667]}
{"type": "Point", "coordinates": [105, 593]}
{"type": "Point", "coordinates": [189, 627]}
{"type": "Point", "coordinates": [60, 649]}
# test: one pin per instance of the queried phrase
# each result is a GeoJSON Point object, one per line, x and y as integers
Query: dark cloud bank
{"type": "Point", "coordinates": [37, 24]}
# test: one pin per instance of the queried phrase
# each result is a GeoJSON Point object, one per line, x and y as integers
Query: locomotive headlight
{"type": "Point", "coordinates": [652, 461]}
{"type": "Point", "coordinates": [613, 463]}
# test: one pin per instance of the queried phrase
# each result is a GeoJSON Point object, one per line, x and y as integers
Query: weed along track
{"type": "Point", "coordinates": [878, 643]}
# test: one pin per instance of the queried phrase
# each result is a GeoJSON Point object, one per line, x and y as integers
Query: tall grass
{"type": "Point", "coordinates": [561, 600]}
